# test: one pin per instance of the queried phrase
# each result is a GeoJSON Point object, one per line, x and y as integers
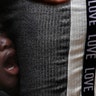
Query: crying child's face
{"type": "Point", "coordinates": [8, 67]}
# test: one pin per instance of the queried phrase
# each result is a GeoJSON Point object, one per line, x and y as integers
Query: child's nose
{"type": "Point", "coordinates": [5, 43]}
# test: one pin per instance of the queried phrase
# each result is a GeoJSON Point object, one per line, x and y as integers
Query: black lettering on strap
{"type": "Point", "coordinates": [89, 63]}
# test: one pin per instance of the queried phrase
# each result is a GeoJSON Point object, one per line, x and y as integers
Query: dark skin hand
{"type": "Point", "coordinates": [8, 67]}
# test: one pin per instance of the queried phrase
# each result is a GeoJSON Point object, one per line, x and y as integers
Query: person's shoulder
{"type": "Point", "coordinates": [2, 93]}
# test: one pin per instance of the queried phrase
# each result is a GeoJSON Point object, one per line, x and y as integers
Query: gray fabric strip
{"type": "Point", "coordinates": [77, 44]}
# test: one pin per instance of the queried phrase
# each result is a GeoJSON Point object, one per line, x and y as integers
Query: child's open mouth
{"type": "Point", "coordinates": [10, 65]}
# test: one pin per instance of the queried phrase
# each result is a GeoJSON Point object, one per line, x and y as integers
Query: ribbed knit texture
{"type": "Point", "coordinates": [41, 33]}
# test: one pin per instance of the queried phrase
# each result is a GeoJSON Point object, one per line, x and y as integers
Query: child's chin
{"type": "Point", "coordinates": [13, 83]}
{"type": "Point", "coordinates": [10, 83]}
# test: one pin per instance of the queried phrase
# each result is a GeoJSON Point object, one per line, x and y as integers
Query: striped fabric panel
{"type": "Point", "coordinates": [76, 50]}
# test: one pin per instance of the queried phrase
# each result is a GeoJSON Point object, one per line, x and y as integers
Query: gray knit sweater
{"type": "Point", "coordinates": [41, 35]}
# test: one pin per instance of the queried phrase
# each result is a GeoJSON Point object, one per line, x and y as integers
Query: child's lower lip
{"type": "Point", "coordinates": [12, 69]}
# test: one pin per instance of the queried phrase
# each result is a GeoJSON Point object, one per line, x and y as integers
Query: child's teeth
{"type": "Point", "coordinates": [11, 68]}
